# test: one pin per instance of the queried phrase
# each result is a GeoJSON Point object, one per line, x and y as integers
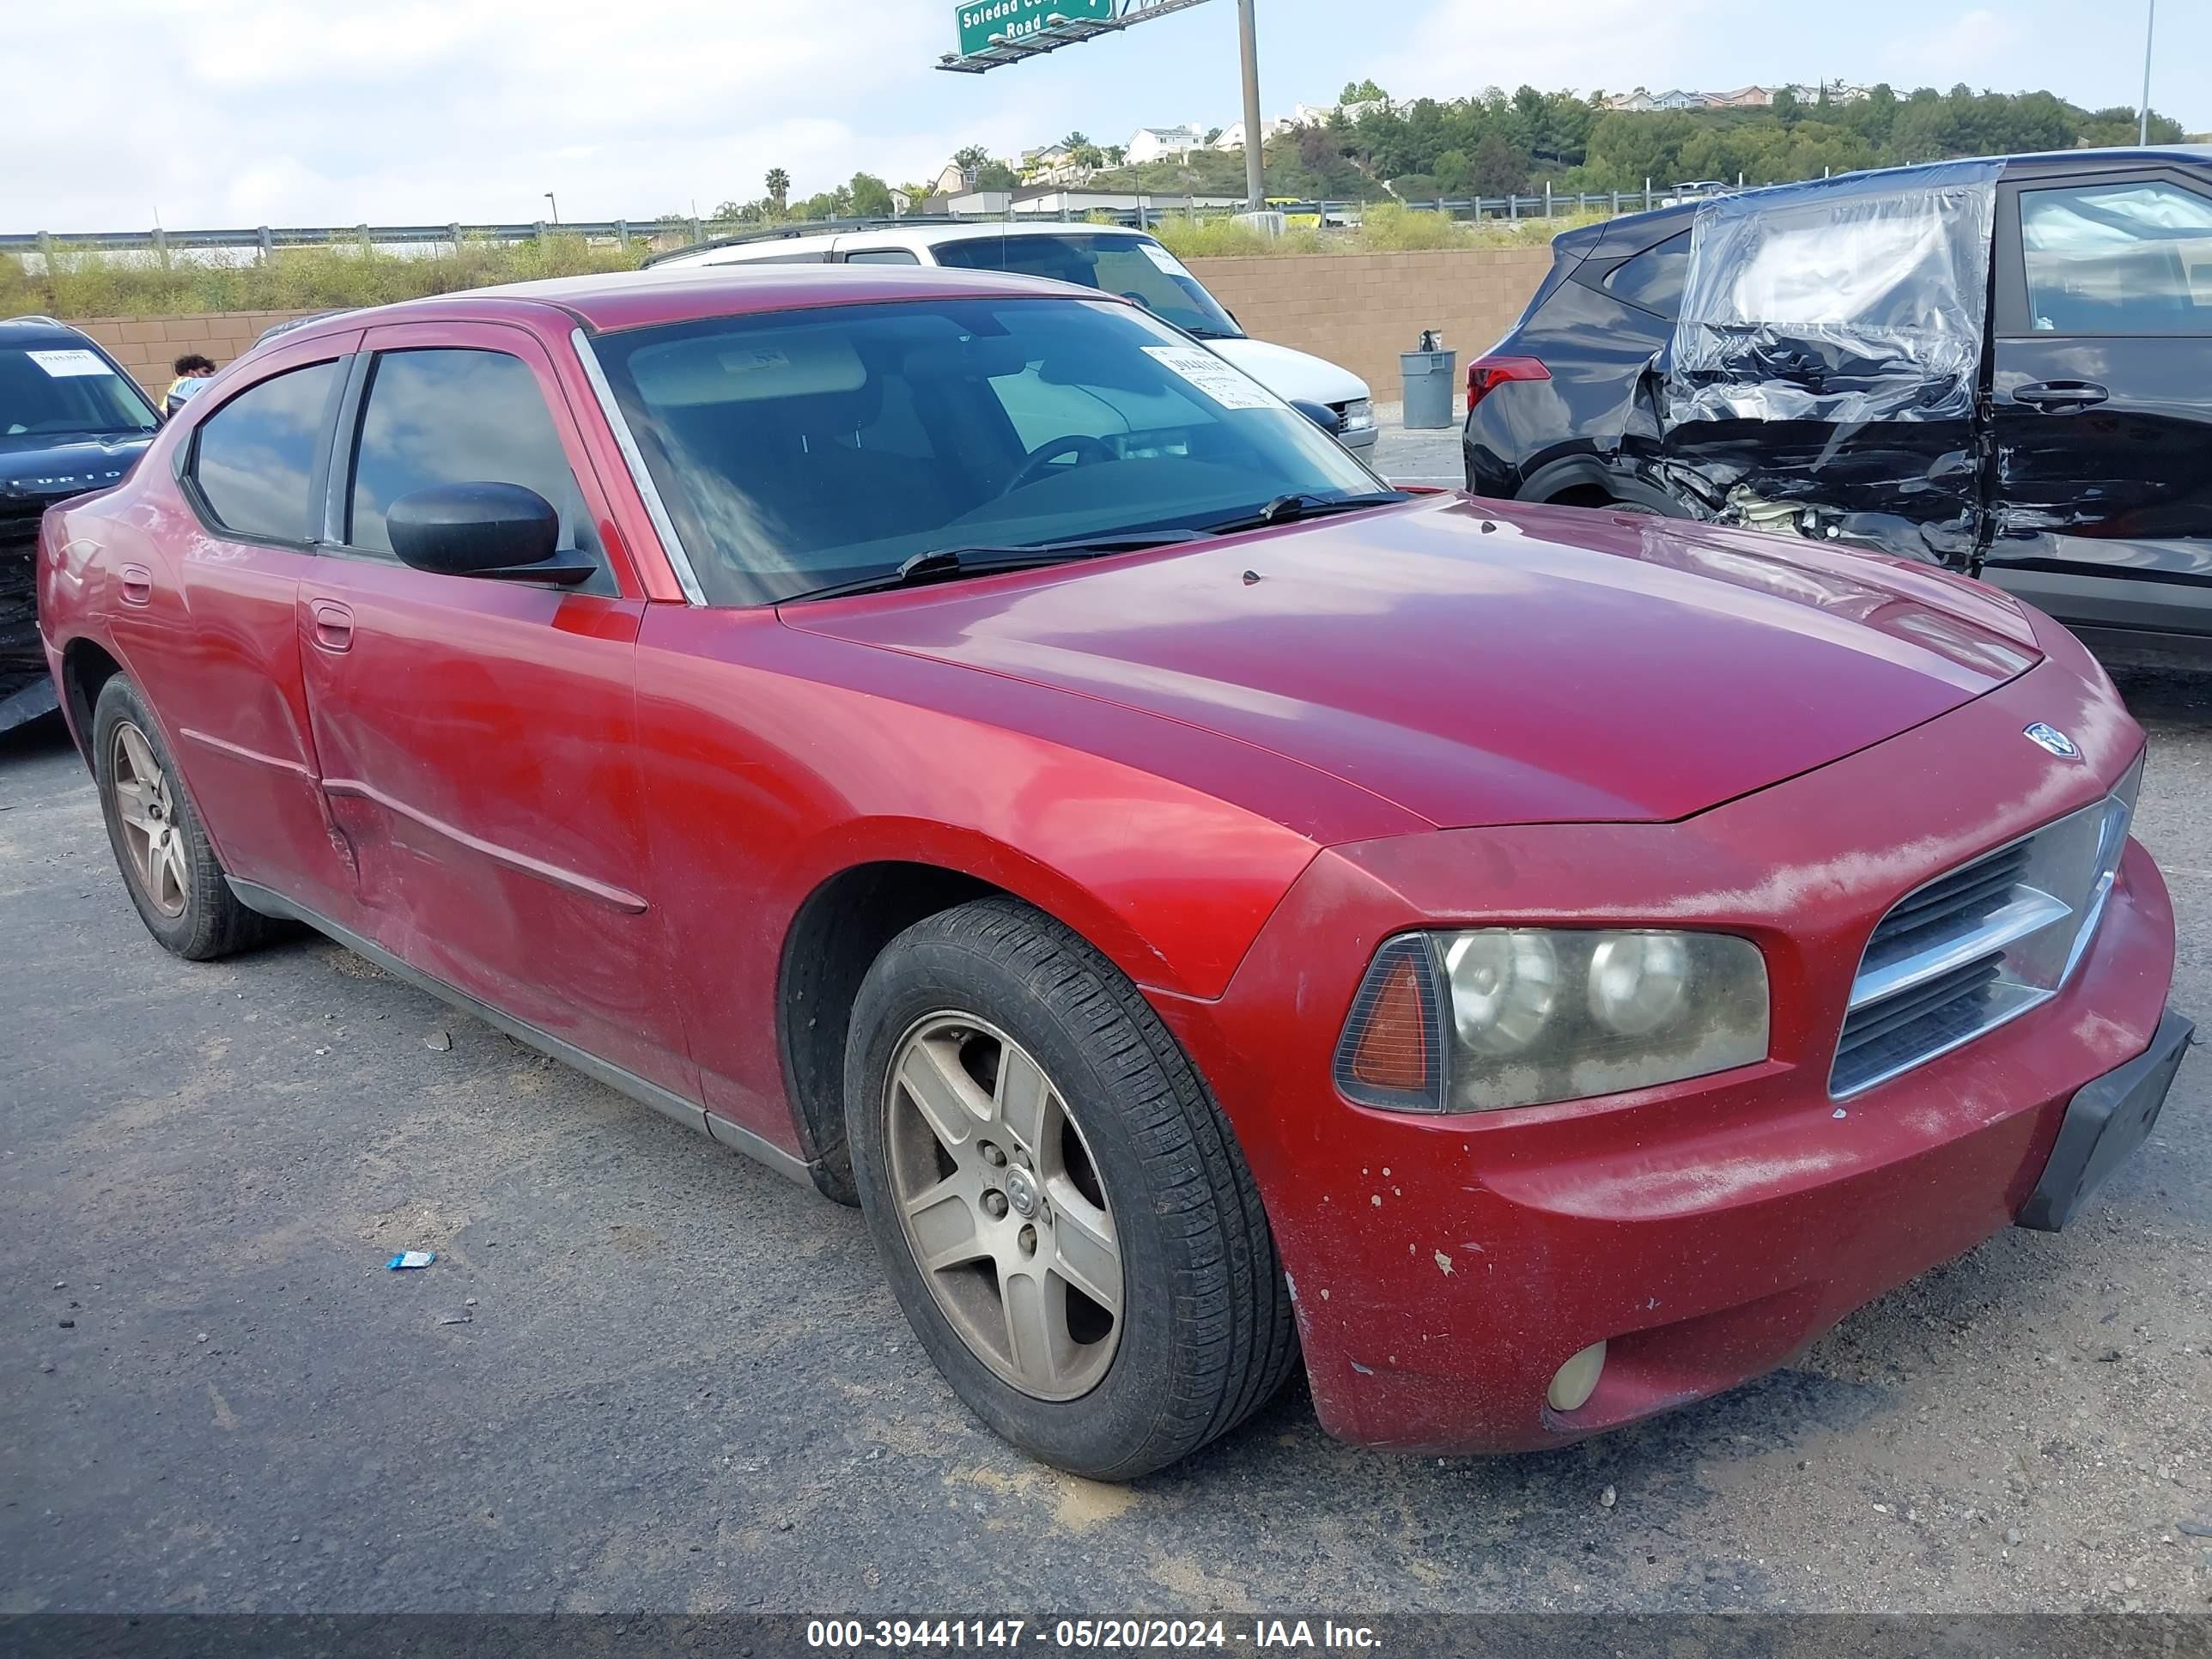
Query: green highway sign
{"type": "Point", "coordinates": [1018, 19]}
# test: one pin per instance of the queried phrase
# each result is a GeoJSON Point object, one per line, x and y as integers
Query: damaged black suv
{"type": "Point", "coordinates": [70, 421]}
{"type": "Point", "coordinates": [2002, 365]}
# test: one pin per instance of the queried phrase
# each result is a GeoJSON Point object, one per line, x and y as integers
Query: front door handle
{"type": "Point", "coordinates": [333, 624]}
{"type": "Point", "coordinates": [2059, 397]}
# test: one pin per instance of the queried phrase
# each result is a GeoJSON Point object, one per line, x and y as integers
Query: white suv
{"type": "Point", "coordinates": [1120, 261]}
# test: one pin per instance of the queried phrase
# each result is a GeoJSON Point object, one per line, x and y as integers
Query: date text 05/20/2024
{"type": "Point", "coordinates": [1291, 1635]}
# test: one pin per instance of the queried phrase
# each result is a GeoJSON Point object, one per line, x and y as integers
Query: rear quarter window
{"type": "Point", "coordinates": [1652, 280]}
{"type": "Point", "coordinates": [253, 459]}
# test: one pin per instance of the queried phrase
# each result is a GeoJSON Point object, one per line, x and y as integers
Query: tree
{"type": "Point", "coordinates": [779, 187]}
{"type": "Point", "coordinates": [1500, 168]}
{"type": "Point", "coordinates": [868, 197]}
{"type": "Point", "coordinates": [1115, 154]}
{"type": "Point", "coordinates": [995, 175]}
{"type": "Point", "coordinates": [1075, 141]}
{"type": "Point", "coordinates": [972, 158]}
{"type": "Point", "coordinates": [1213, 135]}
{"type": "Point", "coordinates": [1361, 92]}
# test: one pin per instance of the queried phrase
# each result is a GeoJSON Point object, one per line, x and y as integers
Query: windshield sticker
{"type": "Point", "coordinates": [1165, 260]}
{"type": "Point", "coordinates": [73, 361]}
{"type": "Point", "coordinates": [751, 359]}
{"type": "Point", "coordinates": [1227, 387]}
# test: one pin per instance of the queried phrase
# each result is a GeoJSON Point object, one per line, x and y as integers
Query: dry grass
{"type": "Point", "coordinates": [1386, 228]}
{"type": "Point", "coordinates": [292, 279]}
{"type": "Point", "coordinates": [134, 284]}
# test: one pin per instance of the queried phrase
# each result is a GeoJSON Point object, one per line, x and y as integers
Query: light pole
{"type": "Point", "coordinates": [556, 206]}
{"type": "Point", "coordinates": [2142, 121]}
{"type": "Point", "coordinates": [1255, 139]}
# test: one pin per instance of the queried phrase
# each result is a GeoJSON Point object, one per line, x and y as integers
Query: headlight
{"type": "Point", "coordinates": [1357, 415]}
{"type": "Point", "coordinates": [1499, 1017]}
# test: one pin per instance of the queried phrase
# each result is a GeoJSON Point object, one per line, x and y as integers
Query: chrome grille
{"type": "Point", "coordinates": [1981, 945]}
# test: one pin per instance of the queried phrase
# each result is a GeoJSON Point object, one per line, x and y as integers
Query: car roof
{"type": "Point", "coordinates": [778, 244]}
{"type": "Point", "coordinates": [614, 300]}
{"type": "Point", "coordinates": [35, 331]}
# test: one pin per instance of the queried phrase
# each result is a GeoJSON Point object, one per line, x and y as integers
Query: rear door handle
{"type": "Point", "coordinates": [333, 624]}
{"type": "Point", "coordinates": [138, 584]}
{"type": "Point", "coordinates": [2057, 396]}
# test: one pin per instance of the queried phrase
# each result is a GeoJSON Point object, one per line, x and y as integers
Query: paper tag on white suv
{"type": "Point", "coordinates": [1226, 386]}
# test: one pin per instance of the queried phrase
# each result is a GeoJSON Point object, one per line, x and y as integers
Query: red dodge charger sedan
{"type": "Point", "coordinates": [953, 739]}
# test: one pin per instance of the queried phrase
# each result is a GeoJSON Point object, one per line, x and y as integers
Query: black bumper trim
{"type": "Point", "coordinates": [2107, 1119]}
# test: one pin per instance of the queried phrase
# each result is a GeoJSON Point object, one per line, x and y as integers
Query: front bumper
{"type": "Point", "coordinates": [1444, 1267]}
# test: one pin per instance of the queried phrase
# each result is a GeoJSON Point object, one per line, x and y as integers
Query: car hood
{"type": "Point", "coordinates": [39, 467]}
{"type": "Point", "coordinates": [1291, 375]}
{"type": "Point", "coordinates": [1481, 664]}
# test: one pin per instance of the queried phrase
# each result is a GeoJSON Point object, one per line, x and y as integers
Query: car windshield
{"type": "Point", "coordinates": [1135, 267]}
{"type": "Point", "coordinates": [65, 390]}
{"type": "Point", "coordinates": [800, 450]}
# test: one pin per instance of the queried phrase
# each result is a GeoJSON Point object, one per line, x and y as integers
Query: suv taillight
{"type": "Point", "coordinates": [1486, 374]}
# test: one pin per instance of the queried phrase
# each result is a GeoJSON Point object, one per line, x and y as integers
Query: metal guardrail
{"type": "Point", "coordinates": [1151, 209]}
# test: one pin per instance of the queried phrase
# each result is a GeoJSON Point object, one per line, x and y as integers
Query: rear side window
{"type": "Point", "coordinates": [881, 256]}
{"type": "Point", "coordinates": [1652, 280]}
{"type": "Point", "coordinates": [2123, 258]}
{"type": "Point", "coordinates": [253, 459]}
{"type": "Point", "coordinates": [444, 416]}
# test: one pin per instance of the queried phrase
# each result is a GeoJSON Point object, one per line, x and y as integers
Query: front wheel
{"type": "Point", "coordinates": [1060, 1208]}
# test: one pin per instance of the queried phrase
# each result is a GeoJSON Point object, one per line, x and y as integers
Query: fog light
{"type": "Point", "coordinates": [1574, 1382]}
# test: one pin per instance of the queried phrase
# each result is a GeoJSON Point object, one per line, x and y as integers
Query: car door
{"type": "Point", "coordinates": [2101, 399]}
{"type": "Point", "coordinates": [206, 622]}
{"type": "Point", "coordinates": [477, 736]}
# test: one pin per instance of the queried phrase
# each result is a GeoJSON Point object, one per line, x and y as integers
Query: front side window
{"type": "Point", "coordinates": [67, 391]}
{"type": "Point", "coordinates": [799, 450]}
{"type": "Point", "coordinates": [2124, 258]}
{"type": "Point", "coordinates": [1135, 267]}
{"type": "Point", "coordinates": [254, 458]}
{"type": "Point", "coordinates": [443, 416]}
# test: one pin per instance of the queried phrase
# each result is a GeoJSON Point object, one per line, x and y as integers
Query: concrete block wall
{"type": "Point", "coordinates": [1358, 309]}
{"type": "Point", "coordinates": [148, 346]}
{"type": "Point", "coordinates": [1361, 309]}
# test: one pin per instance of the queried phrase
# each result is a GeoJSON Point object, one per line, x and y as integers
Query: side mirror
{"type": "Point", "coordinates": [500, 531]}
{"type": "Point", "coordinates": [1320, 414]}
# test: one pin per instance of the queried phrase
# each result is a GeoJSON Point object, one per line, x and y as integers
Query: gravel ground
{"type": "Point", "coordinates": [644, 1374]}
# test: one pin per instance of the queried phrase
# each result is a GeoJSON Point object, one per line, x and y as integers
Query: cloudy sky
{"type": "Point", "coordinates": [223, 113]}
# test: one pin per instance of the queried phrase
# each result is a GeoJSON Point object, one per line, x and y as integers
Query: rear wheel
{"type": "Point", "coordinates": [1060, 1208]}
{"type": "Point", "coordinates": [168, 863]}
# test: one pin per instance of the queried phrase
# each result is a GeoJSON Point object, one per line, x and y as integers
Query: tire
{"type": "Point", "coordinates": [1203, 1335]}
{"type": "Point", "coordinates": [185, 902]}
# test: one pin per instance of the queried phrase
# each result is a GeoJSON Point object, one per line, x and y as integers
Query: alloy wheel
{"type": "Point", "coordinates": [1001, 1203]}
{"type": "Point", "coordinates": [152, 835]}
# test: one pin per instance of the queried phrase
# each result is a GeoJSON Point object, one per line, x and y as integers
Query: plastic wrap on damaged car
{"type": "Point", "coordinates": [1849, 299]}
{"type": "Point", "coordinates": [1823, 374]}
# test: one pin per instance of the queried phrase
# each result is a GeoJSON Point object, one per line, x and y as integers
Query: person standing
{"type": "Point", "coordinates": [191, 370]}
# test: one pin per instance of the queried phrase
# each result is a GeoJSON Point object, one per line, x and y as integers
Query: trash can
{"type": "Point", "coordinates": [1427, 376]}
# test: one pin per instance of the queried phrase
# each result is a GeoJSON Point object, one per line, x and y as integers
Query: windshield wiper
{"type": "Point", "coordinates": [1289, 509]}
{"type": "Point", "coordinates": [941, 564]}
{"type": "Point", "coordinates": [1200, 333]}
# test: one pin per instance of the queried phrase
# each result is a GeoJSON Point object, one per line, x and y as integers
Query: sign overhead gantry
{"type": "Point", "coordinates": [993, 34]}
